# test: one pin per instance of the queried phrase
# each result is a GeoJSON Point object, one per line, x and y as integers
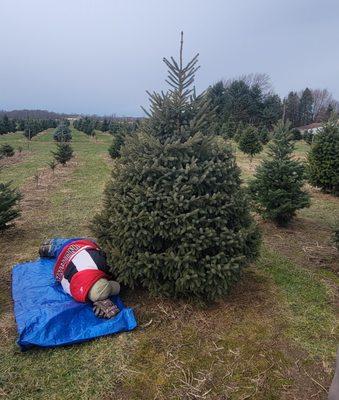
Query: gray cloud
{"type": "Point", "coordinates": [100, 56]}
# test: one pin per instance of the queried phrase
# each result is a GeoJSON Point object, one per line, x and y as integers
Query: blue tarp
{"type": "Point", "coordinates": [46, 316]}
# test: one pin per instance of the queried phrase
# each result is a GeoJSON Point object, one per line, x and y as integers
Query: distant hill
{"type": "Point", "coordinates": [44, 114]}
{"type": "Point", "coordinates": [39, 114]}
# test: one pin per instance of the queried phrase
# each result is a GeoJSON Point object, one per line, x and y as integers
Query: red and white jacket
{"type": "Point", "coordinates": [79, 266]}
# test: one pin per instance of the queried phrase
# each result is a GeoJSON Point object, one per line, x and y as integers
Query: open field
{"type": "Point", "coordinates": [273, 337]}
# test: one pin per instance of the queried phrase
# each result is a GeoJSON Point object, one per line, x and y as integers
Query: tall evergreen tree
{"type": "Point", "coordinates": [245, 101]}
{"type": "Point", "coordinates": [306, 107]}
{"type": "Point", "coordinates": [292, 109]}
{"type": "Point", "coordinates": [277, 185]}
{"type": "Point", "coordinates": [271, 111]}
{"type": "Point", "coordinates": [239, 102]}
{"type": "Point", "coordinates": [175, 217]}
{"type": "Point", "coordinates": [216, 96]}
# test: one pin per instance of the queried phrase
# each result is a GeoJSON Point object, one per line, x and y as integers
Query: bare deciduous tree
{"type": "Point", "coordinates": [261, 80]}
{"type": "Point", "coordinates": [322, 98]}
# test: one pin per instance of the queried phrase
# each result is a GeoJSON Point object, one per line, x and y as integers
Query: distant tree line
{"type": "Point", "coordinates": [309, 106]}
{"type": "Point", "coordinates": [88, 125]}
{"type": "Point", "coordinates": [245, 100]}
{"type": "Point", "coordinates": [249, 100]}
{"type": "Point", "coordinates": [34, 114]}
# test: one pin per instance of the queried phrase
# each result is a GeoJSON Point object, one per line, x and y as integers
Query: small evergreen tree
{"type": "Point", "coordinates": [175, 217]}
{"type": "Point", "coordinates": [21, 125]}
{"type": "Point", "coordinates": [229, 128]}
{"type": "Point", "coordinates": [52, 164]}
{"type": "Point", "coordinates": [277, 185]}
{"type": "Point", "coordinates": [308, 137]}
{"type": "Point", "coordinates": [104, 125]}
{"type": "Point", "coordinates": [240, 127]}
{"type": "Point", "coordinates": [62, 133]}
{"type": "Point", "coordinates": [323, 159]}
{"type": "Point", "coordinates": [63, 153]}
{"type": "Point", "coordinates": [6, 124]}
{"type": "Point", "coordinates": [249, 141]}
{"type": "Point", "coordinates": [118, 141]}
{"type": "Point", "coordinates": [9, 205]}
{"type": "Point", "coordinates": [264, 135]}
{"type": "Point", "coordinates": [6, 150]}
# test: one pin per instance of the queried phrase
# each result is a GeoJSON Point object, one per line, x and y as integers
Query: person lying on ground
{"type": "Point", "coordinates": [81, 269]}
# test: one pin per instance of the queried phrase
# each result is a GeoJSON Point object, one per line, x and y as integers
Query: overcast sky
{"type": "Point", "coordinates": [99, 56]}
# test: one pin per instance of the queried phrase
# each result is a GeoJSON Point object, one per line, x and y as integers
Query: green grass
{"type": "Point", "coordinates": [324, 209]}
{"type": "Point", "coordinates": [244, 346]}
{"type": "Point", "coordinates": [307, 302]}
{"type": "Point", "coordinates": [36, 154]}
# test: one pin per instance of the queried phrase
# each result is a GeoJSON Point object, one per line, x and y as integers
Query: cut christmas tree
{"type": "Point", "coordinates": [175, 218]}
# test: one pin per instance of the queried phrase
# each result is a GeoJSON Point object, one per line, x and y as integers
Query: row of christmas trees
{"type": "Point", "coordinates": [115, 126]}
{"type": "Point", "coordinates": [29, 126]}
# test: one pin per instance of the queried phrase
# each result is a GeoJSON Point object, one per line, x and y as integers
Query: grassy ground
{"type": "Point", "coordinates": [273, 337]}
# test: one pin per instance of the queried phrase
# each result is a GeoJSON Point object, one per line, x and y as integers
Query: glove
{"type": "Point", "coordinates": [105, 309]}
{"type": "Point", "coordinates": [45, 249]}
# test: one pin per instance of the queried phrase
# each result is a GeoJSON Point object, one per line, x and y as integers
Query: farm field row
{"type": "Point", "coordinates": [273, 337]}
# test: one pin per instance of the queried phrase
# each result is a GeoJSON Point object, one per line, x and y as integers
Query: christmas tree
{"type": "Point", "coordinates": [104, 125]}
{"type": "Point", "coordinates": [249, 141]}
{"type": "Point", "coordinates": [323, 159]}
{"type": "Point", "coordinates": [175, 217]}
{"type": "Point", "coordinates": [115, 147]}
{"type": "Point", "coordinates": [278, 181]}
{"type": "Point", "coordinates": [6, 150]}
{"type": "Point", "coordinates": [264, 135]}
{"type": "Point", "coordinates": [62, 133]}
{"type": "Point", "coordinates": [239, 130]}
{"type": "Point", "coordinates": [229, 128]}
{"type": "Point", "coordinates": [63, 153]}
{"type": "Point", "coordinates": [9, 209]}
